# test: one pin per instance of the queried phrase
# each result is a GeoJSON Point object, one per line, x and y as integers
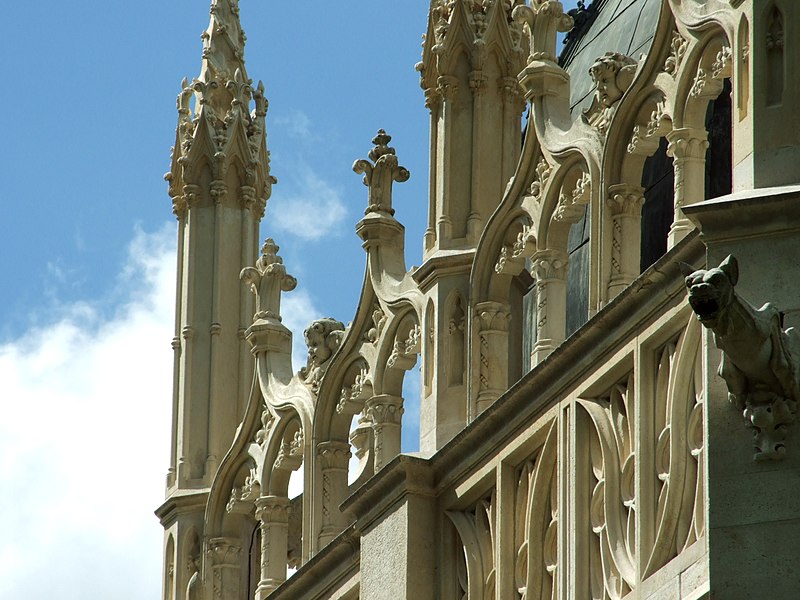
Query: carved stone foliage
{"type": "Point", "coordinates": [676, 53]}
{"type": "Point", "coordinates": [658, 124]}
{"type": "Point", "coordinates": [475, 528]}
{"type": "Point", "coordinates": [512, 256]}
{"type": "Point", "coordinates": [536, 524]}
{"type": "Point", "coordinates": [379, 319]}
{"type": "Point", "coordinates": [380, 173]}
{"type": "Point", "coordinates": [572, 203]}
{"type": "Point", "coordinates": [323, 337]}
{"type": "Point", "coordinates": [760, 363]}
{"type": "Point", "coordinates": [679, 504]}
{"type": "Point", "coordinates": [267, 280]}
{"type": "Point", "coordinates": [612, 502]}
{"type": "Point", "coordinates": [612, 74]}
{"type": "Point", "coordinates": [404, 353]}
{"type": "Point", "coordinates": [353, 396]}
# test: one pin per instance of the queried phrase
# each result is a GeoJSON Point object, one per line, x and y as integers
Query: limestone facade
{"type": "Point", "coordinates": [578, 437]}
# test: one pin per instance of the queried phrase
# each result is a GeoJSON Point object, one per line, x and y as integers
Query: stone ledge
{"type": "Point", "coordinates": [404, 475]}
{"type": "Point", "coordinates": [181, 503]}
{"type": "Point", "coordinates": [762, 212]}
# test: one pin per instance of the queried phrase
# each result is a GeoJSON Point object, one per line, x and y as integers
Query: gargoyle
{"type": "Point", "coordinates": [760, 360]}
{"type": "Point", "coordinates": [323, 338]}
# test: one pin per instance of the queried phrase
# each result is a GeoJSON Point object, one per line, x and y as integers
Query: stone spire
{"type": "Point", "coordinates": [219, 183]}
{"type": "Point", "coordinates": [223, 42]}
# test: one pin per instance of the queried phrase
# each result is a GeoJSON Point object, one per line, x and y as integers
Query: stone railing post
{"type": "Point", "coordinates": [385, 412]}
{"type": "Point", "coordinates": [492, 320]}
{"type": "Point", "coordinates": [625, 205]}
{"type": "Point", "coordinates": [688, 149]}
{"type": "Point", "coordinates": [334, 459]}
{"type": "Point", "coordinates": [273, 515]}
{"type": "Point", "coordinates": [225, 559]}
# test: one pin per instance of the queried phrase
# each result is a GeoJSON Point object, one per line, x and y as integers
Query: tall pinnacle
{"type": "Point", "coordinates": [223, 43]}
{"type": "Point", "coordinates": [220, 130]}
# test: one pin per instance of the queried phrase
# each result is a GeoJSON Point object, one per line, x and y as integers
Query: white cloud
{"type": "Point", "coordinates": [84, 439]}
{"type": "Point", "coordinates": [311, 209]}
{"type": "Point", "coordinates": [296, 123]}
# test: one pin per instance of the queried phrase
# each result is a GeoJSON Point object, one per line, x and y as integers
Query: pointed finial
{"type": "Point", "coordinates": [378, 177]}
{"type": "Point", "coordinates": [267, 280]}
{"type": "Point", "coordinates": [223, 43]}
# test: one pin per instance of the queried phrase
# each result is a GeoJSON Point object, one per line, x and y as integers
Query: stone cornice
{"type": "Point", "coordinates": [443, 262]}
{"type": "Point", "coordinates": [404, 475]}
{"type": "Point", "coordinates": [754, 213]}
{"type": "Point", "coordinates": [181, 503]}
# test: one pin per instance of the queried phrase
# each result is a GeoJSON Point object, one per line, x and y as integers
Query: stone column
{"type": "Point", "coordinates": [273, 515]}
{"type": "Point", "coordinates": [492, 320]}
{"type": "Point", "coordinates": [688, 149]}
{"type": "Point", "coordinates": [225, 560]}
{"type": "Point", "coordinates": [334, 458]}
{"type": "Point", "coordinates": [385, 411]}
{"type": "Point", "coordinates": [549, 269]}
{"type": "Point", "coordinates": [625, 206]}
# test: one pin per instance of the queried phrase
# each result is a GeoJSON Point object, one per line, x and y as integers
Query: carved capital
{"type": "Point", "coordinates": [625, 200]}
{"type": "Point", "coordinates": [380, 173]}
{"type": "Point", "coordinates": [492, 316]}
{"type": "Point", "coordinates": [272, 509]}
{"type": "Point", "coordinates": [549, 265]}
{"type": "Point", "coordinates": [384, 409]}
{"type": "Point", "coordinates": [248, 195]}
{"type": "Point", "coordinates": [334, 455]}
{"type": "Point", "coordinates": [224, 552]}
{"type": "Point", "coordinates": [477, 81]}
{"type": "Point", "coordinates": [687, 144]}
{"type": "Point", "coordinates": [447, 87]}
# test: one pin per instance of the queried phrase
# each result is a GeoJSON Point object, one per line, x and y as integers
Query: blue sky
{"type": "Point", "coordinates": [88, 242]}
{"type": "Point", "coordinates": [88, 246]}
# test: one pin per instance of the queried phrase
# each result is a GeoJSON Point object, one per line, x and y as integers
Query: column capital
{"type": "Point", "coordinates": [625, 199]}
{"type": "Point", "coordinates": [224, 552]}
{"type": "Point", "coordinates": [493, 316]}
{"type": "Point", "coordinates": [384, 409]}
{"type": "Point", "coordinates": [549, 264]}
{"type": "Point", "coordinates": [334, 454]}
{"type": "Point", "coordinates": [272, 509]}
{"type": "Point", "coordinates": [687, 143]}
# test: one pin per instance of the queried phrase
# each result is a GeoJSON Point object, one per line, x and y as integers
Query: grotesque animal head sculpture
{"type": "Point", "coordinates": [711, 291]}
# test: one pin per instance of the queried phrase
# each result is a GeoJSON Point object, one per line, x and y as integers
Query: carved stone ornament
{"type": "Point", "coordinates": [760, 360]}
{"type": "Point", "coordinates": [612, 74]}
{"type": "Point", "coordinates": [323, 338]}
{"type": "Point", "coordinates": [267, 280]}
{"type": "Point", "coordinates": [380, 173]}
